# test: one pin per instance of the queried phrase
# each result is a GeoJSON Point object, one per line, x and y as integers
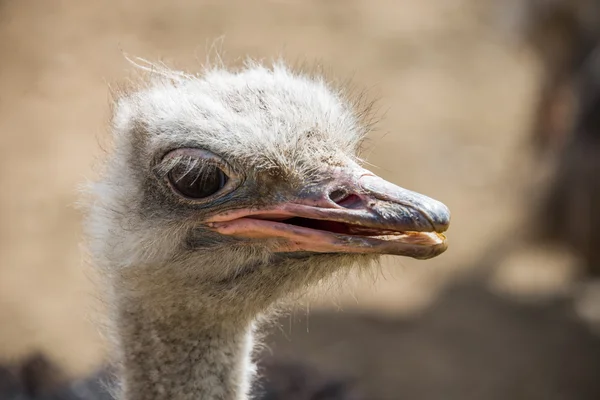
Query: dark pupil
{"type": "Point", "coordinates": [197, 183]}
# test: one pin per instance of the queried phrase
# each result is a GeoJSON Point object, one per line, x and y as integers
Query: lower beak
{"type": "Point", "coordinates": [353, 212]}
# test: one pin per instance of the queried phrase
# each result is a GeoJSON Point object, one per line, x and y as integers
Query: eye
{"type": "Point", "coordinates": [197, 181]}
{"type": "Point", "coordinates": [197, 174]}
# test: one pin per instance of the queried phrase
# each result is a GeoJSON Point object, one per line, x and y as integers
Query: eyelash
{"type": "Point", "coordinates": [164, 168]}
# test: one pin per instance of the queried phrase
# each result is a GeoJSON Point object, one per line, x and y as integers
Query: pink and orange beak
{"type": "Point", "coordinates": [354, 211]}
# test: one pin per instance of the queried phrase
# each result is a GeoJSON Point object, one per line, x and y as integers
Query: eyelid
{"type": "Point", "coordinates": [195, 153]}
{"type": "Point", "coordinates": [173, 157]}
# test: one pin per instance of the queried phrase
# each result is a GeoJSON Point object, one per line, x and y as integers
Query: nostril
{"type": "Point", "coordinates": [345, 199]}
{"type": "Point", "coordinates": [338, 195]}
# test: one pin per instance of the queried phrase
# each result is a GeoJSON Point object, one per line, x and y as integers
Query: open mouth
{"type": "Point", "coordinates": [342, 228]}
{"type": "Point", "coordinates": [357, 231]}
{"type": "Point", "coordinates": [329, 231]}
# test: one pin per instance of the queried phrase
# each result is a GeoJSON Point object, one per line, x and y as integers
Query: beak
{"type": "Point", "coordinates": [353, 211]}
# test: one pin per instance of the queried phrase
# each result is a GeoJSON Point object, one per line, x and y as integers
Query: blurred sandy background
{"type": "Point", "coordinates": [455, 96]}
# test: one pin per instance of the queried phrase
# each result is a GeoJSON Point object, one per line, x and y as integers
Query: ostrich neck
{"type": "Point", "coordinates": [182, 355]}
{"type": "Point", "coordinates": [182, 338]}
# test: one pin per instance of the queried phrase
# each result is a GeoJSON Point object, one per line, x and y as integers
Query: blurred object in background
{"type": "Point", "coordinates": [570, 213]}
{"type": "Point", "coordinates": [564, 205]}
{"type": "Point", "coordinates": [38, 378]}
{"type": "Point", "coordinates": [295, 378]}
{"type": "Point", "coordinates": [565, 35]}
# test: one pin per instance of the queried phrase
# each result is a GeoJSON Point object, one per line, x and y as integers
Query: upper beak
{"type": "Point", "coordinates": [354, 211]}
{"type": "Point", "coordinates": [403, 209]}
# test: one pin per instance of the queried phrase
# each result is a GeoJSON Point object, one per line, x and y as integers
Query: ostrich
{"type": "Point", "coordinates": [224, 193]}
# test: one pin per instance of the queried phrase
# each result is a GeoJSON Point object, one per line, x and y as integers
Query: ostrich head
{"type": "Point", "coordinates": [224, 193]}
{"type": "Point", "coordinates": [244, 186]}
